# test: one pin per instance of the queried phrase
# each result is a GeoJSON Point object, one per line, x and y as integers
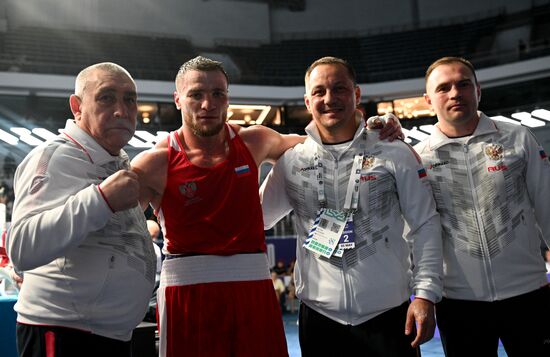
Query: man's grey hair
{"type": "Point", "coordinates": [201, 64]}
{"type": "Point", "coordinates": [82, 77]}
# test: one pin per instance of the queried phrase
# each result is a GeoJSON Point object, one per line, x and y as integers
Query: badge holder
{"type": "Point", "coordinates": [347, 240]}
{"type": "Point", "coordinates": [326, 231]}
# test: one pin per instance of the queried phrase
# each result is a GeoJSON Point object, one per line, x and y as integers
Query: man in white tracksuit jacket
{"type": "Point", "coordinates": [491, 183]}
{"type": "Point", "coordinates": [78, 232]}
{"type": "Point", "coordinates": [357, 302]}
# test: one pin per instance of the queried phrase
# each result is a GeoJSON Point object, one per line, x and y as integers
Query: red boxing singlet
{"type": "Point", "coordinates": [212, 210]}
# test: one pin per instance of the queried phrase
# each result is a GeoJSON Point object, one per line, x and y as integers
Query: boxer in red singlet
{"type": "Point", "coordinates": [216, 296]}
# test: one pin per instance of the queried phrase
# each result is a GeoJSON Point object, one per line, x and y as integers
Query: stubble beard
{"type": "Point", "coordinates": [205, 131]}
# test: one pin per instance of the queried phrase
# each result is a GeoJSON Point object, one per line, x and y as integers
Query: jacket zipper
{"type": "Point", "coordinates": [480, 226]}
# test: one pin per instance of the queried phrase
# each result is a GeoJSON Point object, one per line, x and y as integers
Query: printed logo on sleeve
{"type": "Point", "coordinates": [422, 173]}
{"type": "Point", "coordinates": [37, 183]}
{"type": "Point", "coordinates": [438, 164]}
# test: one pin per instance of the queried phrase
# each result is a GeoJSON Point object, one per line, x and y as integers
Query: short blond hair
{"type": "Point", "coordinates": [450, 60]}
{"type": "Point", "coordinates": [201, 64]}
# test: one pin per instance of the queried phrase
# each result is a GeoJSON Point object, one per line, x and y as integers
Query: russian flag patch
{"type": "Point", "coordinates": [422, 173]}
{"type": "Point", "coordinates": [542, 154]}
{"type": "Point", "coordinates": [242, 170]}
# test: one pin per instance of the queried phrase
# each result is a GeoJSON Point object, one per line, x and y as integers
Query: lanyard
{"type": "Point", "coordinates": [352, 192]}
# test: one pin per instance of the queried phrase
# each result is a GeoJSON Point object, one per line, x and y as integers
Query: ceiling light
{"type": "Point", "coordinates": [429, 128]}
{"type": "Point", "coordinates": [527, 120]}
{"type": "Point", "coordinates": [25, 135]}
{"type": "Point", "coordinates": [146, 107]}
{"type": "Point", "coordinates": [150, 138]}
{"type": "Point", "coordinates": [44, 133]}
{"type": "Point", "coordinates": [415, 133]}
{"type": "Point", "coordinates": [139, 144]}
{"type": "Point", "coordinates": [532, 122]}
{"type": "Point", "coordinates": [541, 113]}
{"type": "Point", "coordinates": [505, 119]}
{"type": "Point", "coordinates": [521, 115]}
{"type": "Point", "coordinates": [7, 137]}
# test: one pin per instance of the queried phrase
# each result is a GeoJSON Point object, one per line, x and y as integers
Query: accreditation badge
{"type": "Point", "coordinates": [347, 239]}
{"type": "Point", "coordinates": [326, 231]}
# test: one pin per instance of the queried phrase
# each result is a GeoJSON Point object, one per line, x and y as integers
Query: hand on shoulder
{"type": "Point", "coordinates": [389, 126]}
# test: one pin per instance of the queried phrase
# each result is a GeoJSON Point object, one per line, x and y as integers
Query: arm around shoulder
{"type": "Point", "coordinates": [273, 196]}
{"type": "Point", "coordinates": [266, 144]}
{"type": "Point", "coordinates": [419, 209]}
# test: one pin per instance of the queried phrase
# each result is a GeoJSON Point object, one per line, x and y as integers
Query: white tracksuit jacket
{"type": "Point", "coordinates": [375, 276]}
{"type": "Point", "coordinates": [85, 267]}
{"type": "Point", "coordinates": [492, 191]}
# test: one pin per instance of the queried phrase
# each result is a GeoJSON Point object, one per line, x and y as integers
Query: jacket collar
{"type": "Point", "coordinates": [97, 154]}
{"type": "Point", "coordinates": [312, 131]}
{"type": "Point", "coordinates": [485, 126]}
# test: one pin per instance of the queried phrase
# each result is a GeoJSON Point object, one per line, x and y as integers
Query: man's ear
{"type": "Point", "coordinates": [306, 100]}
{"type": "Point", "coordinates": [176, 100]}
{"type": "Point", "coordinates": [427, 99]}
{"type": "Point", "coordinates": [74, 103]}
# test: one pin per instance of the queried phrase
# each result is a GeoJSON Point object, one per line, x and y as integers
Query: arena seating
{"type": "Point", "coordinates": [41, 50]}
{"type": "Point", "coordinates": [378, 57]}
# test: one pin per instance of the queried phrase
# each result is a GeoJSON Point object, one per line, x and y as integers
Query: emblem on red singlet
{"type": "Point", "coordinates": [188, 189]}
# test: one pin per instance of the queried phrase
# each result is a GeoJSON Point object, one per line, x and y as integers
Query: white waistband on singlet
{"type": "Point", "coordinates": [214, 268]}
